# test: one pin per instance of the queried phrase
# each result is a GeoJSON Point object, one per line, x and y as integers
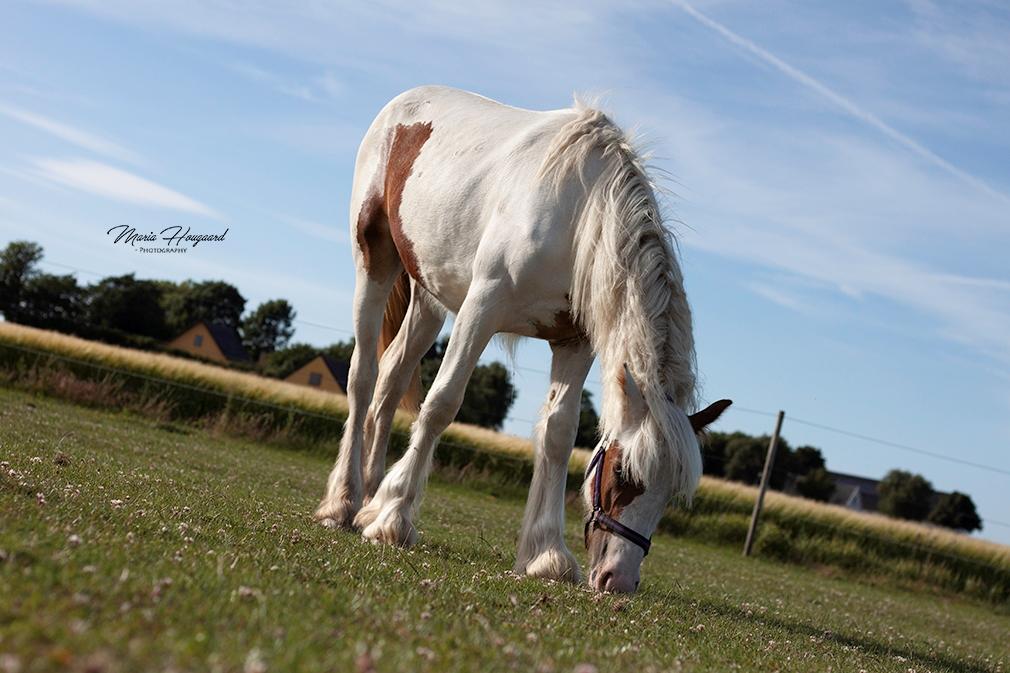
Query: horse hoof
{"type": "Point", "coordinates": [339, 515]}
{"type": "Point", "coordinates": [390, 528]}
{"type": "Point", "coordinates": [367, 515]}
{"type": "Point", "coordinates": [555, 564]}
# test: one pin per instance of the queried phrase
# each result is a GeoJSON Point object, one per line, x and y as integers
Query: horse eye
{"type": "Point", "coordinates": [619, 473]}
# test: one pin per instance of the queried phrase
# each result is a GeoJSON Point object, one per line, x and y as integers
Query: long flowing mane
{"type": "Point", "coordinates": [628, 294]}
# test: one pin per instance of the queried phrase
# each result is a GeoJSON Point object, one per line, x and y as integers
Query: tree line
{"type": "Point", "coordinates": [740, 457]}
{"type": "Point", "coordinates": [139, 313]}
{"type": "Point", "coordinates": [130, 311]}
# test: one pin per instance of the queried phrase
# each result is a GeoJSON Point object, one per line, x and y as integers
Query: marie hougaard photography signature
{"type": "Point", "coordinates": [174, 239]}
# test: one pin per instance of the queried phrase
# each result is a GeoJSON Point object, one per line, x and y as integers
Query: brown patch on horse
{"type": "Point", "coordinates": [563, 331]}
{"type": "Point", "coordinates": [403, 152]}
{"type": "Point", "coordinates": [615, 495]}
{"type": "Point", "coordinates": [377, 249]}
{"type": "Point", "coordinates": [616, 492]}
{"type": "Point", "coordinates": [379, 230]}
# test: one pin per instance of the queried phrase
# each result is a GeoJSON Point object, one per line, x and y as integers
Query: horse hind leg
{"type": "Point", "coordinates": [398, 372]}
{"type": "Point", "coordinates": [378, 266]}
{"type": "Point", "coordinates": [389, 516]}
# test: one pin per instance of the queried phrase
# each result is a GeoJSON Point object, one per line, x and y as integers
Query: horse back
{"type": "Point", "coordinates": [447, 183]}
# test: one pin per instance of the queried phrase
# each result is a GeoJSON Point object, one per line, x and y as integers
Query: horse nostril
{"type": "Point", "coordinates": [604, 583]}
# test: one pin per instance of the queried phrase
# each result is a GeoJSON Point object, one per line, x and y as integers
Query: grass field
{"type": "Point", "coordinates": [131, 544]}
{"type": "Point", "coordinates": [241, 404]}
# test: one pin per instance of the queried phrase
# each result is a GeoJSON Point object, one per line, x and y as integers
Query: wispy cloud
{"type": "Point", "coordinates": [318, 89]}
{"type": "Point", "coordinates": [330, 139]}
{"type": "Point", "coordinates": [840, 101]}
{"type": "Point", "coordinates": [970, 35]}
{"type": "Point", "coordinates": [75, 136]}
{"type": "Point", "coordinates": [778, 296]}
{"type": "Point", "coordinates": [844, 215]}
{"type": "Point", "coordinates": [315, 229]}
{"type": "Point", "coordinates": [965, 313]}
{"type": "Point", "coordinates": [103, 180]}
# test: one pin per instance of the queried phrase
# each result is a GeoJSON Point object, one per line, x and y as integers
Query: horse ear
{"type": "Point", "coordinates": [634, 402]}
{"type": "Point", "coordinates": [709, 415]}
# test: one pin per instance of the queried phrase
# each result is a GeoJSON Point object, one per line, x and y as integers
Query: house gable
{"type": "Point", "coordinates": [212, 341]}
{"type": "Point", "coordinates": [321, 372]}
{"type": "Point", "coordinates": [198, 341]}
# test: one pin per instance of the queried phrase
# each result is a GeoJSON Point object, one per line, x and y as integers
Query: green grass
{"type": "Point", "coordinates": [154, 546]}
{"type": "Point", "coordinates": [864, 546]}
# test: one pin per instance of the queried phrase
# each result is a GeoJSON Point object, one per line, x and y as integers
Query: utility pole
{"type": "Point", "coordinates": [765, 477]}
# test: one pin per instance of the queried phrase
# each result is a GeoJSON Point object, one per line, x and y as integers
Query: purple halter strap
{"type": "Point", "coordinates": [599, 518]}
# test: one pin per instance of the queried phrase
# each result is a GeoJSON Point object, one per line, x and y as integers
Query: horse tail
{"type": "Point", "coordinates": [392, 320]}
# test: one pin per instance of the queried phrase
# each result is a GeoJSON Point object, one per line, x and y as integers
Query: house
{"type": "Point", "coordinates": [858, 493]}
{"type": "Point", "coordinates": [862, 494]}
{"type": "Point", "coordinates": [322, 372]}
{"type": "Point", "coordinates": [212, 341]}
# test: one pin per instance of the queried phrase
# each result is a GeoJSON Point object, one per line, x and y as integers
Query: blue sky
{"type": "Point", "coordinates": [838, 178]}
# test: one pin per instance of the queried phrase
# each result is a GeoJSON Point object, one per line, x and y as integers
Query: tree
{"type": "Point", "coordinates": [816, 484]}
{"type": "Point", "coordinates": [342, 351]}
{"type": "Point", "coordinates": [283, 361]}
{"type": "Point", "coordinates": [268, 328]}
{"type": "Point", "coordinates": [806, 459]}
{"type": "Point", "coordinates": [806, 466]}
{"type": "Point", "coordinates": [713, 452]}
{"type": "Point", "coordinates": [589, 423]}
{"type": "Point", "coordinates": [744, 458]}
{"type": "Point", "coordinates": [128, 305]}
{"type": "Point", "coordinates": [745, 455]}
{"type": "Point", "coordinates": [53, 302]}
{"type": "Point", "coordinates": [955, 510]}
{"type": "Point", "coordinates": [18, 264]}
{"type": "Point", "coordinates": [905, 495]}
{"type": "Point", "coordinates": [210, 301]}
{"type": "Point", "coordinates": [488, 395]}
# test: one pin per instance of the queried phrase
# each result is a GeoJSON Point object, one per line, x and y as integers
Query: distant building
{"type": "Point", "coordinates": [861, 493]}
{"type": "Point", "coordinates": [212, 341]}
{"type": "Point", "coordinates": [322, 372]}
{"type": "Point", "coordinates": [858, 493]}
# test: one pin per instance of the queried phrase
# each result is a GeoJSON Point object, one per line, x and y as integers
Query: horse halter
{"type": "Point", "coordinates": [598, 518]}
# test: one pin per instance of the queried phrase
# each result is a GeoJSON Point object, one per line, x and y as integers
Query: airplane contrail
{"type": "Point", "coordinates": [839, 100]}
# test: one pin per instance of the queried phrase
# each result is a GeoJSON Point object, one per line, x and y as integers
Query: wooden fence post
{"type": "Point", "coordinates": [765, 477]}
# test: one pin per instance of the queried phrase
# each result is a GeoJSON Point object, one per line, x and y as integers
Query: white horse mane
{"type": "Point", "coordinates": [628, 294]}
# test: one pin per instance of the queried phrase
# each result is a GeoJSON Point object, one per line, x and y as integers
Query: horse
{"type": "Point", "coordinates": [528, 224]}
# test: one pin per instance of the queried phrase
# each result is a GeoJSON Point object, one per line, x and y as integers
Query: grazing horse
{"type": "Point", "coordinates": [536, 224]}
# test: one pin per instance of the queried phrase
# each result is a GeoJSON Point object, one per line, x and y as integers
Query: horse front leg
{"type": "Point", "coordinates": [542, 551]}
{"type": "Point", "coordinates": [342, 499]}
{"type": "Point", "coordinates": [389, 517]}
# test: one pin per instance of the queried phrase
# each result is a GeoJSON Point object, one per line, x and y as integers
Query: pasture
{"type": "Point", "coordinates": [129, 543]}
{"type": "Point", "coordinates": [864, 546]}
